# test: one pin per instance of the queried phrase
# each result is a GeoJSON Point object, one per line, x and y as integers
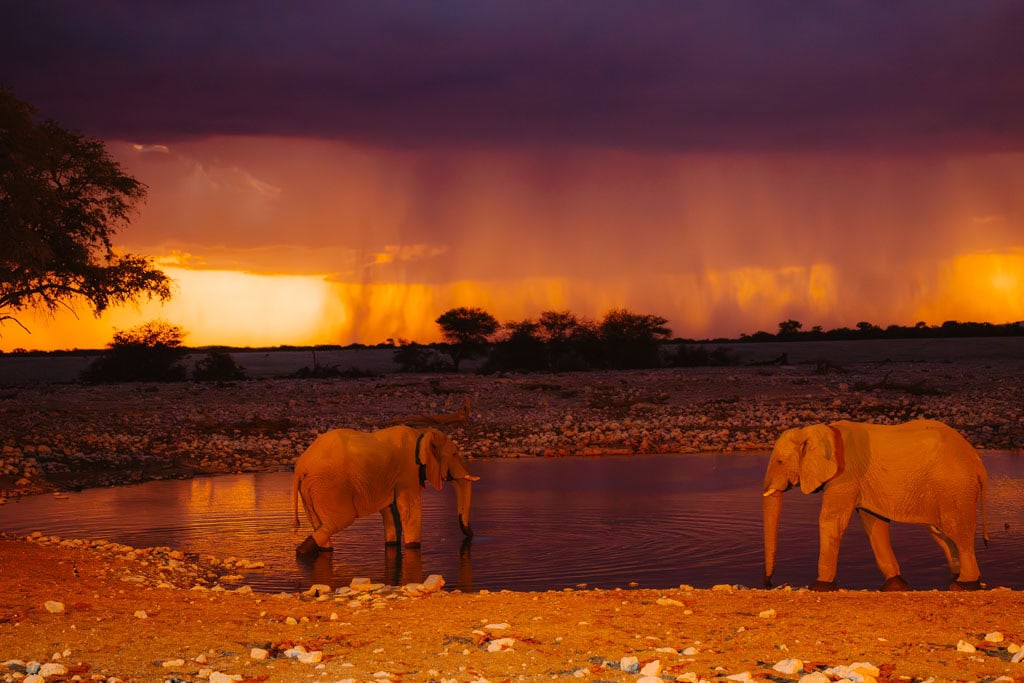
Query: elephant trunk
{"type": "Point", "coordinates": [463, 494]}
{"type": "Point", "coordinates": [771, 506]}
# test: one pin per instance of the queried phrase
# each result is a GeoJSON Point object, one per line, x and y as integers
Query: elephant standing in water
{"type": "Point", "coordinates": [920, 472]}
{"type": "Point", "coordinates": [346, 474]}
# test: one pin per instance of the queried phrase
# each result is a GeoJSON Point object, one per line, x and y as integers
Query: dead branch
{"type": "Point", "coordinates": [434, 420]}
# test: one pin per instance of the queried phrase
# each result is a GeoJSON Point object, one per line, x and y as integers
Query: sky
{"type": "Point", "coordinates": [339, 172]}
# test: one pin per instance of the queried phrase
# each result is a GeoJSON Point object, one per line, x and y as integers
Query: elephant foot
{"type": "Point", "coordinates": [966, 585]}
{"type": "Point", "coordinates": [895, 583]}
{"type": "Point", "coordinates": [309, 547]}
{"type": "Point", "coordinates": [390, 544]}
{"type": "Point", "coordinates": [823, 586]}
{"type": "Point", "coordinates": [413, 544]}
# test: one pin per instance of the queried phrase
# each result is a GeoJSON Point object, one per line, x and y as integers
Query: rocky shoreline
{"type": "Point", "coordinates": [70, 436]}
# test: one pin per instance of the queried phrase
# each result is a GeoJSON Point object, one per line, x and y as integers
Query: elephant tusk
{"type": "Point", "coordinates": [470, 477]}
{"type": "Point", "coordinates": [770, 492]}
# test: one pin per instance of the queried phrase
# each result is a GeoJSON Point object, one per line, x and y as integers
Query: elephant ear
{"type": "Point", "coordinates": [818, 461]}
{"type": "Point", "coordinates": [430, 456]}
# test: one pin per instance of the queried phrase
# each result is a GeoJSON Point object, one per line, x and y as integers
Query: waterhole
{"type": "Point", "coordinates": [653, 521]}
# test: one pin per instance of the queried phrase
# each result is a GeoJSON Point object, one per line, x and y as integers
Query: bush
{"type": "Point", "coordinates": [417, 358]}
{"type": "Point", "coordinates": [217, 366]}
{"type": "Point", "coordinates": [149, 353]}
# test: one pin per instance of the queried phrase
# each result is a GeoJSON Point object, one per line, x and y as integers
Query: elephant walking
{"type": "Point", "coordinates": [345, 474]}
{"type": "Point", "coordinates": [919, 472]}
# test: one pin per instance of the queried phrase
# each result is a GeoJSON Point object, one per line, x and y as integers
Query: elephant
{"type": "Point", "coordinates": [345, 474]}
{"type": "Point", "coordinates": [919, 472]}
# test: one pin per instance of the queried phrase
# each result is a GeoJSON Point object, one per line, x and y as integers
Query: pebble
{"type": "Point", "coordinates": [258, 654]}
{"type": "Point", "coordinates": [815, 677]}
{"type": "Point", "coordinates": [652, 668]}
{"type": "Point", "coordinates": [994, 637]}
{"type": "Point", "coordinates": [54, 607]}
{"type": "Point", "coordinates": [500, 644]}
{"type": "Point", "coordinates": [219, 677]}
{"type": "Point", "coordinates": [964, 646]}
{"type": "Point", "coordinates": [788, 666]}
{"type": "Point", "coordinates": [629, 664]}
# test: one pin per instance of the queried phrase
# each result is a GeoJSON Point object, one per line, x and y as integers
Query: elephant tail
{"type": "Point", "coordinates": [295, 498]}
{"type": "Point", "coordinates": [983, 479]}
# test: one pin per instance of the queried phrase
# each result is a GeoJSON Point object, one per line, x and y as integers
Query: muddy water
{"type": "Point", "coordinates": [651, 521]}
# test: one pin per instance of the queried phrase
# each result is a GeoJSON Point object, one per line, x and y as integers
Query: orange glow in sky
{"type": "Point", "coordinates": [290, 241]}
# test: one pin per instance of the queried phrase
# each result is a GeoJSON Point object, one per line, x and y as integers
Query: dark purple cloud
{"type": "Point", "coordinates": [917, 75]}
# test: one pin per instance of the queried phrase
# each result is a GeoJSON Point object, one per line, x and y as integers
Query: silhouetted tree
{"type": "Point", "coordinates": [467, 331]}
{"type": "Point", "coordinates": [520, 348]}
{"type": "Point", "coordinates": [148, 353]}
{"type": "Point", "coordinates": [62, 198]}
{"type": "Point", "coordinates": [789, 328]}
{"type": "Point", "coordinates": [632, 340]}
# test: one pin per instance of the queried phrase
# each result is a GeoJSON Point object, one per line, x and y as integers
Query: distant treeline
{"type": "Point", "coordinates": [555, 342]}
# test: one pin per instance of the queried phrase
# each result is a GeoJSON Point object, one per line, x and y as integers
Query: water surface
{"type": "Point", "coordinates": [656, 521]}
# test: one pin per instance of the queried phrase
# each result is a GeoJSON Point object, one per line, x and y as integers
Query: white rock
{"type": "Point", "coordinates": [1018, 658]}
{"type": "Point", "coordinates": [1013, 648]}
{"type": "Point", "coordinates": [865, 669]}
{"type": "Point", "coordinates": [54, 607]}
{"type": "Point", "coordinates": [629, 664]}
{"type": "Point", "coordinates": [496, 627]}
{"type": "Point", "coordinates": [318, 589]}
{"type": "Point", "coordinates": [434, 583]}
{"type": "Point", "coordinates": [669, 602]}
{"type": "Point", "coordinates": [313, 657]}
{"type": "Point", "coordinates": [52, 669]}
{"type": "Point", "coordinates": [220, 677]}
{"type": "Point", "coordinates": [141, 614]}
{"type": "Point", "coordinates": [650, 679]}
{"type": "Point", "coordinates": [742, 676]}
{"type": "Point", "coordinates": [33, 678]}
{"type": "Point", "coordinates": [258, 653]}
{"type": "Point", "coordinates": [688, 677]}
{"type": "Point", "coordinates": [200, 658]}
{"type": "Point", "coordinates": [767, 614]}
{"type": "Point", "coordinates": [171, 663]}
{"type": "Point", "coordinates": [994, 637]}
{"type": "Point", "coordinates": [690, 651]}
{"type": "Point", "coordinates": [500, 644]}
{"type": "Point", "coordinates": [964, 646]}
{"type": "Point", "coordinates": [651, 668]}
{"type": "Point", "coordinates": [816, 677]}
{"type": "Point", "coordinates": [789, 666]}
{"type": "Point", "coordinates": [358, 581]}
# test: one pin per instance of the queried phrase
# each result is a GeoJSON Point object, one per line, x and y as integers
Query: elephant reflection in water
{"type": "Point", "coordinates": [920, 472]}
{"type": "Point", "coordinates": [345, 474]}
{"type": "Point", "coordinates": [401, 567]}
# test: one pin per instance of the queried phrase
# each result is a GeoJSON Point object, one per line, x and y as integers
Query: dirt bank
{"type": "Point", "coordinates": [116, 623]}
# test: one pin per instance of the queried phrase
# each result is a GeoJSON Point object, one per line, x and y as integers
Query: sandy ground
{"type": "Point", "coordinates": [157, 615]}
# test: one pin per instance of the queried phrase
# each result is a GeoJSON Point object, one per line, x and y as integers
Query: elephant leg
{"type": "Point", "coordinates": [836, 510]}
{"type": "Point", "coordinates": [392, 524]}
{"type": "Point", "coordinates": [969, 577]}
{"type": "Point", "coordinates": [949, 550]}
{"type": "Point", "coordinates": [410, 517]}
{"type": "Point", "coordinates": [325, 515]}
{"type": "Point", "coordinates": [881, 545]}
